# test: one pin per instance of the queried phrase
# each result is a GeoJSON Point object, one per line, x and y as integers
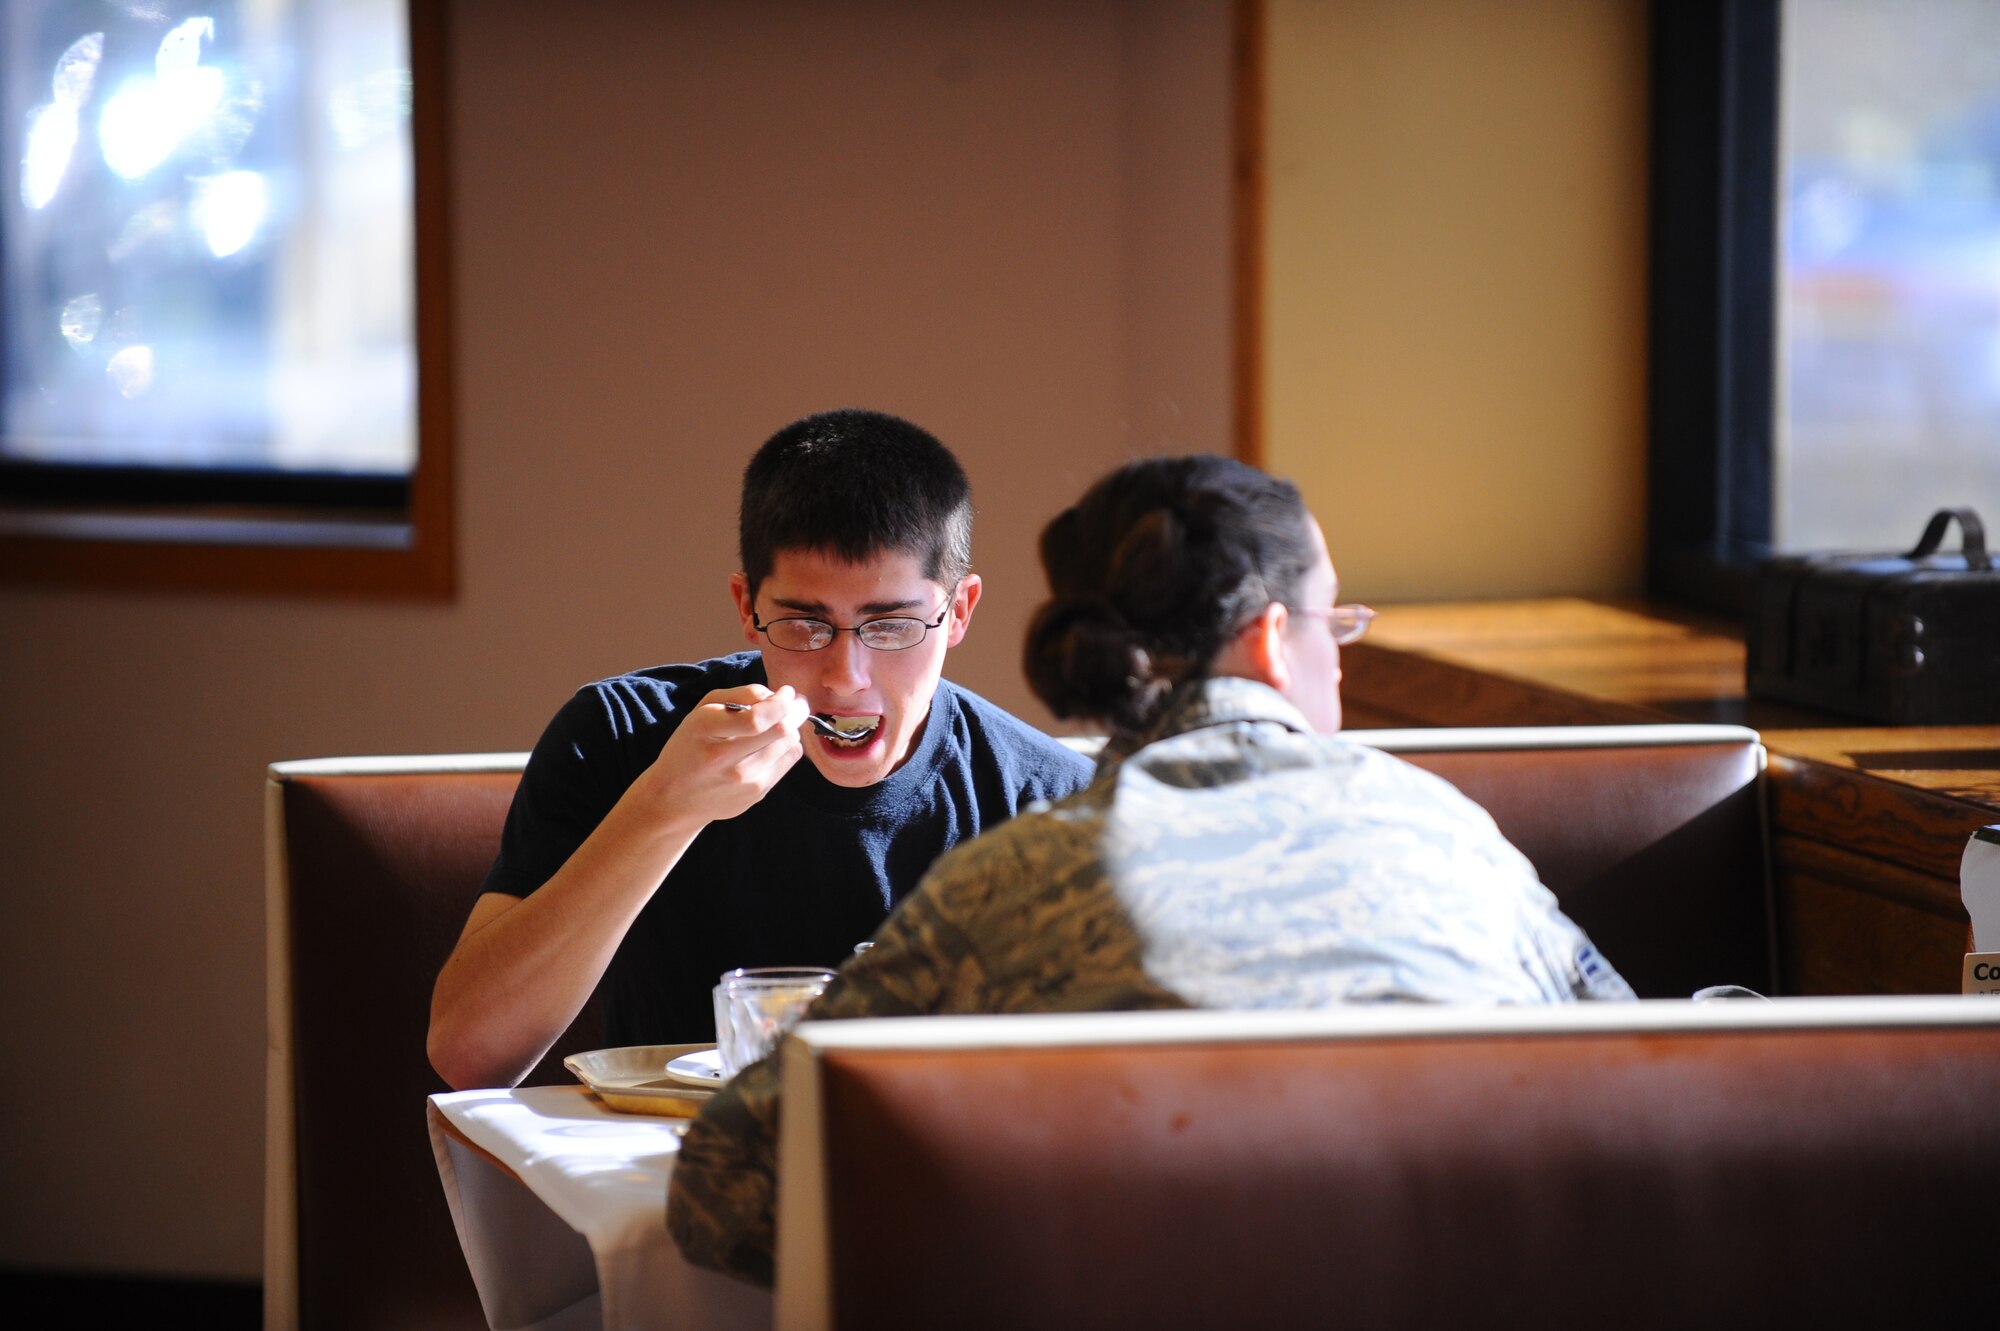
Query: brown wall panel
{"type": "Point", "coordinates": [1839, 933]}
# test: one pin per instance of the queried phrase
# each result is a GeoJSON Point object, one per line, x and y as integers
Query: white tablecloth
{"type": "Point", "coordinates": [576, 1237]}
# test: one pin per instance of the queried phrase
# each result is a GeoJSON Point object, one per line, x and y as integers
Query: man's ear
{"type": "Point", "coordinates": [1258, 650]}
{"type": "Point", "coordinates": [739, 588]}
{"type": "Point", "coordinates": [961, 608]}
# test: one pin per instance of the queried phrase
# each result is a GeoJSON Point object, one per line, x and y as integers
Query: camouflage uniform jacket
{"type": "Point", "coordinates": [1228, 859]}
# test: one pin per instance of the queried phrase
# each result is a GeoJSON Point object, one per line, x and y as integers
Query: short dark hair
{"type": "Point", "coordinates": [854, 484]}
{"type": "Point", "coordinates": [1151, 573]}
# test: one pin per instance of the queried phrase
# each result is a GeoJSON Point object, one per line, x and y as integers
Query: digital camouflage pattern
{"type": "Point", "coordinates": [1229, 859]}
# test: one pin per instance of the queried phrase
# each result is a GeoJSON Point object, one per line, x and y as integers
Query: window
{"type": "Point", "coordinates": [211, 331]}
{"type": "Point", "coordinates": [1825, 286]}
{"type": "Point", "coordinates": [1889, 276]}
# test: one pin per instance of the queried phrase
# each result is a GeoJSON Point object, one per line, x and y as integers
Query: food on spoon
{"type": "Point", "coordinates": [849, 730]}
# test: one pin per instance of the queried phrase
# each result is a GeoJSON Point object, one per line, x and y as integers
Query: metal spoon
{"type": "Point", "coordinates": [819, 723]}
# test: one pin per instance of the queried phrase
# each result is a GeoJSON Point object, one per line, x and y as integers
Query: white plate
{"type": "Point", "coordinates": [701, 1067]}
{"type": "Point", "coordinates": [633, 1080]}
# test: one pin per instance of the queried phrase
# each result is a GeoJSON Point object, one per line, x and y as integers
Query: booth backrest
{"type": "Point", "coordinates": [1804, 1162]}
{"type": "Point", "coordinates": [373, 866]}
{"type": "Point", "coordinates": [1651, 837]}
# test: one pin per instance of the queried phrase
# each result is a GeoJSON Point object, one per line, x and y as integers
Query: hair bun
{"type": "Point", "coordinates": [1083, 659]}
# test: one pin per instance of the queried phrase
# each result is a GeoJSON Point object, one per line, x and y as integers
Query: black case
{"type": "Point", "coordinates": [1911, 639]}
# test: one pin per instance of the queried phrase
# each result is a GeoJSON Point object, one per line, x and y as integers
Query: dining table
{"type": "Point", "coordinates": [560, 1206]}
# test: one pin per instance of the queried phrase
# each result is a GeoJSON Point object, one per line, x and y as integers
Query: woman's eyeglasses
{"type": "Point", "coordinates": [1346, 622]}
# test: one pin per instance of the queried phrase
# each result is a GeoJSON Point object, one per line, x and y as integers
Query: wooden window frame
{"type": "Point", "coordinates": [1712, 298]}
{"type": "Point", "coordinates": [1249, 129]}
{"type": "Point", "coordinates": [273, 549]}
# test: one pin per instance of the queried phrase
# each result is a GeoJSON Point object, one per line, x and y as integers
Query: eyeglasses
{"type": "Point", "coordinates": [1345, 622]}
{"type": "Point", "coordinates": [892, 633]}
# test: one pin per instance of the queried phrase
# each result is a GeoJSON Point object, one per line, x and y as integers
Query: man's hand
{"type": "Point", "coordinates": [726, 755]}
{"type": "Point", "coordinates": [523, 968]}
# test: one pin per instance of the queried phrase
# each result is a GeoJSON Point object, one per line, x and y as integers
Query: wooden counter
{"type": "Point", "coordinates": [1867, 822]}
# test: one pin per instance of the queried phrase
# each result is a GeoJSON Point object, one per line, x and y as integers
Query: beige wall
{"type": "Point", "coordinates": [676, 226]}
{"type": "Point", "coordinates": [1454, 331]}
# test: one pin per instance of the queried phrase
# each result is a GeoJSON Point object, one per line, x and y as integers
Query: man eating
{"type": "Point", "coordinates": [665, 830]}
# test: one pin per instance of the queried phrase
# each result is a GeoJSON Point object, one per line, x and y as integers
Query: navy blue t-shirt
{"type": "Point", "coordinates": [795, 880]}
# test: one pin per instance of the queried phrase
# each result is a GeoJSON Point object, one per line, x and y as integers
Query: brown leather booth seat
{"type": "Point", "coordinates": [1651, 837]}
{"type": "Point", "coordinates": [374, 864]}
{"type": "Point", "coordinates": [1808, 1162]}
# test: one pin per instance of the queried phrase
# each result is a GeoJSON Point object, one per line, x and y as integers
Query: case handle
{"type": "Point", "coordinates": [1972, 537]}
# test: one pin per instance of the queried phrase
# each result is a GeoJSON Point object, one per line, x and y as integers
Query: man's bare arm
{"type": "Point", "coordinates": [524, 967]}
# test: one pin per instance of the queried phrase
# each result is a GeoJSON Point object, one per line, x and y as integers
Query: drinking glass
{"type": "Point", "coordinates": [755, 1005]}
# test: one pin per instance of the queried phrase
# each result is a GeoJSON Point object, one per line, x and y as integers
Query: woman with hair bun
{"type": "Point", "coordinates": [1231, 851]}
